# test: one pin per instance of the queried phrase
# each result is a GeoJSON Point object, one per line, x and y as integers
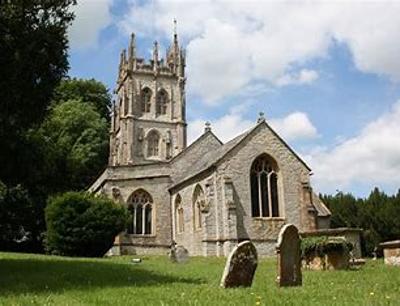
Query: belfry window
{"type": "Point", "coordinates": [140, 205]}
{"type": "Point", "coordinates": [264, 188]}
{"type": "Point", "coordinates": [153, 143]}
{"type": "Point", "coordinates": [145, 100]}
{"type": "Point", "coordinates": [161, 102]}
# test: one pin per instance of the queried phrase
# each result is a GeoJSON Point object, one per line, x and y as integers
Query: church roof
{"type": "Point", "coordinates": [198, 142]}
{"type": "Point", "coordinates": [208, 159]}
{"type": "Point", "coordinates": [322, 210]}
{"type": "Point", "coordinates": [211, 158]}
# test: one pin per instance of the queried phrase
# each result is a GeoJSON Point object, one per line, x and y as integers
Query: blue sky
{"type": "Point", "coordinates": [326, 74]}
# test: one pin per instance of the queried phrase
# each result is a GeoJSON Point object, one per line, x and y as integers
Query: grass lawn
{"type": "Point", "coordinates": [49, 280]}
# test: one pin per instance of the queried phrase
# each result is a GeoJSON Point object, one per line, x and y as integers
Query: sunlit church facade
{"type": "Point", "coordinates": [207, 196]}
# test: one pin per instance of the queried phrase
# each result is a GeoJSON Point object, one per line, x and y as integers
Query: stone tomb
{"type": "Point", "coordinates": [240, 266]}
{"type": "Point", "coordinates": [289, 257]}
{"type": "Point", "coordinates": [391, 252]}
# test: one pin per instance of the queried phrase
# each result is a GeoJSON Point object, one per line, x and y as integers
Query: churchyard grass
{"type": "Point", "coordinates": [27, 279]}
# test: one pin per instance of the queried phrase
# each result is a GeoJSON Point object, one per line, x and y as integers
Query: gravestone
{"type": "Point", "coordinates": [179, 254]}
{"type": "Point", "coordinates": [240, 266]}
{"type": "Point", "coordinates": [289, 257]}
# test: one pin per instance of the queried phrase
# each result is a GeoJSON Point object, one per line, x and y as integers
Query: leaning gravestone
{"type": "Point", "coordinates": [179, 254]}
{"type": "Point", "coordinates": [289, 257]}
{"type": "Point", "coordinates": [240, 266]}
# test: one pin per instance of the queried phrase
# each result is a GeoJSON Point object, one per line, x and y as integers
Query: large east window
{"type": "Point", "coordinates": [264, 188]}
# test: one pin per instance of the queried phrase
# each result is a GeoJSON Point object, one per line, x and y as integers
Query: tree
{"type": "Point", "coordinates": [378, 215]}
{"type": "Point", "coordinates": [88, 91]}
{"type": "Point", "coordinates": [81, 224]}
{"type": "Point", "coordinates": [76, 140]}
{"type": "Point", "coordinates": [33, 60]}
{"type": "Point", "coordinates": [18, 224]}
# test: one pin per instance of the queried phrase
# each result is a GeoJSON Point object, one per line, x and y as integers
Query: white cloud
{"type": "Point", "coordinates": [232, 43]}
{"type": "Point", "coordinates": [91, 16]}
{"type": "Point", "coordinates": [305, 76]}
{"type": "Point", "coordinates": [294, 126]}
{"type": "Point", "coordinates": [225, 128]}
{"type": "Point", "coordinates": [372, 157]}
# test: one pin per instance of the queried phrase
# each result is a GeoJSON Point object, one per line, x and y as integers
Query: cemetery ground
{"type": "Point", "coordinates": [27, 279]}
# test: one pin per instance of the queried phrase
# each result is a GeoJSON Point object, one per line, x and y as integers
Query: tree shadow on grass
{"type": "Point", "coordinates": [22, 276]}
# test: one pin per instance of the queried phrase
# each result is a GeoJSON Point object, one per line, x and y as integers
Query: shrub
{"type": "Point", "coordinates": [320, 246]}
{"type": "Point", "coordinates": [81, 224]}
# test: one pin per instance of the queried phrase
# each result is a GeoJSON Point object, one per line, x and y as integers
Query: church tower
{"type": "Point", "coordinates": [148, 120]}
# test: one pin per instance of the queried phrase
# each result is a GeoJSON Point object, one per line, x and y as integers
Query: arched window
{"type": "Point", "coordinates": [161, 102]}
{"type": "Point", "coordinates": [180, 225]}
{"type": "Point", "coordinates": [153, 143]}
{"type": "Point", "coordinates": [264, 188]}
{"type": "Point", "coordinates": [145, 100]}
{"type": "Point", "coordinates": [140, 206]}
{"type": "Point", "coordinates": [198, 203]}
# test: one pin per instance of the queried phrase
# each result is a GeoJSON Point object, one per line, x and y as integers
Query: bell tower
{"type": "Point", "coordinates": [148, 121]}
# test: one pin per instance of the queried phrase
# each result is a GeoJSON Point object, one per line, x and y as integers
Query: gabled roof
{"type": "Point", "coordinates": [213, 157]}
{"type": "Point", "coordinates": [322, 210]}
{"type": "Point", "coordinates": [194, 144]}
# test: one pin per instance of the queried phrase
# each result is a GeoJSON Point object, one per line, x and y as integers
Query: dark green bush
{"type": "Point", "coordinates": [81, 224]}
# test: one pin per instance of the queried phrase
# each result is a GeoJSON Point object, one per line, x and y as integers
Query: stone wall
{"type": "Point", "coordinates": [157, 187]}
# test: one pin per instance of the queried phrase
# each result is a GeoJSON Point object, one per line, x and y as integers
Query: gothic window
{"type": "Point", "coordinates": [145, 100]}
{"type": "Point", "coordinates": [180, 225]}
{"type": "Point", "coordinates": [153, 143]}
{"type": "Point", "coordinates": [161, 102]}
{"type": "Point", "coordinates": [198, 202]}
{"type": "Point", "coordinates": [264, 188]}
{"type": "Point", "coordinates": [140, 205]}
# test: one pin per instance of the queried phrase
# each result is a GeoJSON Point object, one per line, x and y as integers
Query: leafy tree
{"type": "Point", "coordinates": [76, 139]}
{"type": "Point", "coordinates": [80, 224]}
{"type": "Point", "coordinates": [378, 215]}
{"type": "Point", "coordinates": [18, 225]}
{"type": "Point", "coordinates": [33, 60]}
{"type": "Point", "coordinates": [89, 91]}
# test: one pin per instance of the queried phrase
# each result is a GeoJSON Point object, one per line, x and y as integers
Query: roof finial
{"type": "Point", "coordinates": [261, 117]}
{"type": "Point", "coordinates": [207, 126]}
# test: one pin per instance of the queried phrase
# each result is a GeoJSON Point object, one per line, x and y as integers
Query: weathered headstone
{"type": "Point", "coordinates": [240, 266]}
{"type": "Point", "coordinates": [289, 257]}
{"type": "Point", "coordinates": [179, 254]}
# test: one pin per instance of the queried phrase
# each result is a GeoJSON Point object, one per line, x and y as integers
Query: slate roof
{"type": "Point", "coordinates": [210, 158]}
{"type": "Point", "coordinates": [322, 210]}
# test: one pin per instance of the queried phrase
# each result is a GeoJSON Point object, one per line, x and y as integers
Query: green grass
{"type": "Point", "coordinates": [49, 280]}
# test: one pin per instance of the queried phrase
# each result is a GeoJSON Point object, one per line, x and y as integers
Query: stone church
{"type": "Point", "coordinates": [207, 196]}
